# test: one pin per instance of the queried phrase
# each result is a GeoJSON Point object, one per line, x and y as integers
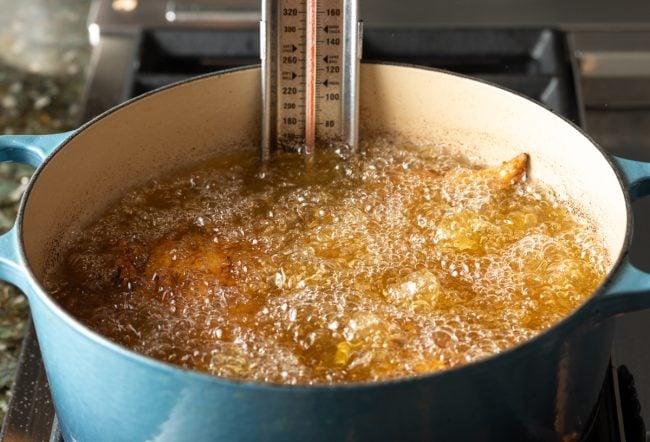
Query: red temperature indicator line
{"type": "Point", "coordinates": [310, 86]}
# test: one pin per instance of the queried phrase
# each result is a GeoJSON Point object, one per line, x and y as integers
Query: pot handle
{"type": "Point", "coordinates": [629, 290]}
{"type": "Point", "coordinates": [636, 176]}
{"type": "Point", "coordinates": [32, 150]}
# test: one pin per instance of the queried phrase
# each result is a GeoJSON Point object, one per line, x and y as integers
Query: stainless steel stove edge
{"type": "Point", "coordinates": [116, 16]}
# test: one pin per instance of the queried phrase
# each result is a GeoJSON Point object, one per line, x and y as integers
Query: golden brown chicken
{"type": "Point", "coordinates": [180, 262]}
{"type": "Point", "coordinates": [468, 193]}
{"type": "Point", "coordinates": [510, 172]}
{"type": "Point", "coordinates": [191, 255]}
{"type": "Point", "coordinates": [497, 178]}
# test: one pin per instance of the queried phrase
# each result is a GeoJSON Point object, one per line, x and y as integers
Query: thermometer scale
{"type": "Point", "coordinates": [310, 74]}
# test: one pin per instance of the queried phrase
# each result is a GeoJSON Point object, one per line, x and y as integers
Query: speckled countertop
{"type": "Point", "coordinates": [44, 52]}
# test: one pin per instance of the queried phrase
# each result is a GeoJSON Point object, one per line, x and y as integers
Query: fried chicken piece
{"type": "Point", "coordinates": [505, 175]}
{"type": "Point", "coordinates": [510, 172]}
{"type": "Point", "coordinates": [191, 266]}
{"type": "Point", "coordinates": [469, 193]}
{"type": "Point", "coordinates": [131, 258]}
{"type": "Point", "coordinates": [192, 256]}
{"type": "Point", "coordinates": [467, 184]}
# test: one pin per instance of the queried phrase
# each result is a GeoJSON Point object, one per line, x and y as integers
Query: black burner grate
{"type": "Point", "coordinates": [533, 62]}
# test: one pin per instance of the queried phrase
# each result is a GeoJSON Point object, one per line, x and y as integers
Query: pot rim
{"type": "Point", "coordinates": [518, 350]}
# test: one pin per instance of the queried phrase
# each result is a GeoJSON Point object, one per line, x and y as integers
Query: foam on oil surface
{"type": "Point", "coordinates": [335, 269]}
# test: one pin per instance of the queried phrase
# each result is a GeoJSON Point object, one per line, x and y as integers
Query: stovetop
{"type": "Point", "coordinates": [530, 61]}
{"type": "Point", "coordinates": [553, 67]}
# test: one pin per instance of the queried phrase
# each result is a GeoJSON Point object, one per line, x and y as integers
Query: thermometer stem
{"type": "Point", "coordinates": [310, 74]}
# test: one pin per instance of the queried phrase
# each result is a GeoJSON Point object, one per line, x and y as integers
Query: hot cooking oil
{"type": "Point", "coordinates": [340, 268]}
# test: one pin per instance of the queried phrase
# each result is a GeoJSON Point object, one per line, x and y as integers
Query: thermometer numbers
{"type": "Point", "coordinates": [329, 50]}
{"type": "Point", "coordinates": [308, 88]}
{"type": "Point", "coordinates": [290, 88]}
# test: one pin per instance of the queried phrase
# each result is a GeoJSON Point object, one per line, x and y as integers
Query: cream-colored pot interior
{"type": "Point", "coordinates": [181, 125]}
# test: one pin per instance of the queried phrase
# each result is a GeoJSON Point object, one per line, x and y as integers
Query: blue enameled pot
{"type": "Point", "coordinates": [543, 389]}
